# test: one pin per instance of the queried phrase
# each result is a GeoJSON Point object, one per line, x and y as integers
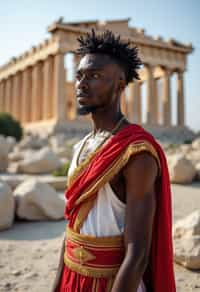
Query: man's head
{"type": "Point", "coordinates": [106, 67]}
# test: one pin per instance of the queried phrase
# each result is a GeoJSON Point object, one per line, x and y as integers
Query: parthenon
{"type": "Point", "coordinates": [34, 87]}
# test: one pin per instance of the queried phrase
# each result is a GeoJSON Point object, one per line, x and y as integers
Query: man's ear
{"type": "Point", "coordinates": [121, 83]}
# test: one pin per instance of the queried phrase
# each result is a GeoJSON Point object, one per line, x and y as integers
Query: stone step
{"type": "Point", "coordinates": [57, 182]}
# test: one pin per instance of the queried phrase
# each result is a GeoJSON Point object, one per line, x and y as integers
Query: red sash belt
{"type": "Point", "coordinates": [93, 256]}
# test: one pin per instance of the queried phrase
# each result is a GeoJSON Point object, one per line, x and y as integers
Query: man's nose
{"type": "Point", "coordinates": [82, 83]}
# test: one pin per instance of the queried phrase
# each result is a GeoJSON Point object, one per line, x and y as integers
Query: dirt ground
{"type": "Point", "coordinates": [29, 251]}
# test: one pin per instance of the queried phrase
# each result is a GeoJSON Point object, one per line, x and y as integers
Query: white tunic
{"type": "Point", "coordinates": [107, 217]}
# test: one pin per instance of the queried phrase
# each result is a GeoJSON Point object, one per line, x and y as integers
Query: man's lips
{"type": "Point", "coordinates": [82, 98]}
{"type": "Point", "coordinates": [80, 94]}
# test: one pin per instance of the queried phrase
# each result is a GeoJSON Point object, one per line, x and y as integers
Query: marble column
{"type": "Point", "coordinates": [155, 90]}
{"type": "Point", "coordinates": [180, 100]}
{"type": "Point", "coordinates": [11, 95]}
{"type": "Point", "coordinates": [71, 101]}
{"type": "Point", "coordinates": [59, 88]}
{"type": "Point", "coordinates": [37, 92]}
{"type": "Point", "coordinates": [26, 105]}
{"type": "Point", "coordinates": [123, 102]}
{"type": "Point", "coordinates": [150, 96]}
{"type": "Point", "coordinates": [130, 101]}
{"type": "Point", "coordinates": [76, 61]}
{"type": "Point", "coordinates": [8, 95]}
{"type": "Point", "coordinates": [48, 89]}
{"type": "Point", "coordinates": [24, 96]}
{"type": "Point", "coordinates": [2, 95]}
{"type": "Point", "coordinates": [5, 95]}
{"type": "Point", "coordinates": [134, 109]}
{"type": "Point", "coordinates": [166, 99]}
{"type": "Point", "coordinates": [17, 95]}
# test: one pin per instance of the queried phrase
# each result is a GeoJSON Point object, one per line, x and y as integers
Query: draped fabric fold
{"type": "Point", "coordinates": [100, 168]}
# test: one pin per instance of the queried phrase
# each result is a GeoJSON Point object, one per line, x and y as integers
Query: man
{"type": "Point", "coordinates": [118, 198]}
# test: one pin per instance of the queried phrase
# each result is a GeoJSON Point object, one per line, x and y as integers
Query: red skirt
{"type": "Point", "coordinates": [74, 282]}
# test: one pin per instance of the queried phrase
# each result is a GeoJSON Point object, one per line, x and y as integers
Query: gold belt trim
{"type": "Point", "coordinates": [108, 241]}
{"type": "Point", "coordinates": [95, 243]}
{"type": "Point", "coordinates": [90, 271]}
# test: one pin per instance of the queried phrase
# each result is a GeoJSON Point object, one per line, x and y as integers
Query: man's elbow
{"type": "Point", "coordinates": [138, 263]}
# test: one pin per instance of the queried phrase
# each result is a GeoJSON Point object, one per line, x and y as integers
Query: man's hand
{"type": "Point", "coordinates": [140, 175]}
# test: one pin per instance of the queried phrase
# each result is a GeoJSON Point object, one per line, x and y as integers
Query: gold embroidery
{"type": "Point", "coordinates": [99, 242]}
{"type": "Point", "coordinates": [83, 255]}
{"type": "Point", "coordinates": [121, 161]}
{"type": "Point", "coordinates": [82, 214]}
{"type": "Point", "coordinates": [108, 241]}
{"type": "Point", "coordinates": [78, 170]}
{"type": "Point", "coordinates": [105, 140]}
{"type": "Point", "coordinates": [71, 178]}
{"type": "Point", "coordinates": [90, 271]}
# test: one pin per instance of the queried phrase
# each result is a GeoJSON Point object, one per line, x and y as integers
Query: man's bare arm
{"type": "Point", "coordinates": [140, 175]}
{"type": "Point", "coordinates": [60, 267]}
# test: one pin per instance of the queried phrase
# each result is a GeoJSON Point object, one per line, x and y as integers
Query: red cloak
{"type": "Point", "coordinates": [159, 275]}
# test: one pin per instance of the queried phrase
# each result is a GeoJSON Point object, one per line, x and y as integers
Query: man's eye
{"type": "Point", "coordinates": [78, 76]}
{"type": "Point", "coordinates": [95, 76]}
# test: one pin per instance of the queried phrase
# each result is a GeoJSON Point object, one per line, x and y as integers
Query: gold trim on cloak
{"type": "Point", "coordinates": [116, 166]}
{"type": "Point", "coordinates": [83, 213]}
{"type": "Point", "coordinates": [105, 177]}
{"type": "Point", "coordinates": [88, 199]}
{"type": "Point", "coordinates": [92, 243]}
{"type": "Point", "coordinates": [78, 170]}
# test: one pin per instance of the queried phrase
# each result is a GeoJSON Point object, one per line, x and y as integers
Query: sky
{"type": "Point", "coordinates": [23, 23]}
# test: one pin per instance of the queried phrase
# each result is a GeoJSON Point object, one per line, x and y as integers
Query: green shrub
{"type": "Point", "coordinates": [172, 146]}
{"type": "Point", "coordinates": [63, 170]}
{"type": "Point", "coordinates": [188, 141]}
{"type": "Point", "coordinates": [10, 127]}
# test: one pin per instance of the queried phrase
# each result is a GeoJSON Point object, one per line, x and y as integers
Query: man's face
{"type": "Point", "coordinates": [97, 83]}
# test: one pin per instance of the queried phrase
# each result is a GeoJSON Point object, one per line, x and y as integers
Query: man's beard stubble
{"type": "Point", "coordinates": [90, 109]}
{"type": "Point", "coordinates": [85, 110]}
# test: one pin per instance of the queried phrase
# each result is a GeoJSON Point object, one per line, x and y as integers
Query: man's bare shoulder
{"type": "Point", "coordinates": [140, 173]}
{"type": "Point", "coordinates": [141, 161]}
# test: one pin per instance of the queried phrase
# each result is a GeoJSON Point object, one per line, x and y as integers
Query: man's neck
{"type": "Point", "coordinates": [106, 121]}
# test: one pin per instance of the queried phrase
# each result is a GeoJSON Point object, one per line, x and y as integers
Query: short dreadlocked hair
{"type": "Point", "coordinates": [120, 51]}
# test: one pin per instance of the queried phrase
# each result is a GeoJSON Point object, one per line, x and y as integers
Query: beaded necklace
{"type": "Point", "coordinates": [108, 135]}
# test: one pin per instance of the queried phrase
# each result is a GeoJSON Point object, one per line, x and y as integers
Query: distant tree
{"type": "Point", "coordinates": [10, 126]}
